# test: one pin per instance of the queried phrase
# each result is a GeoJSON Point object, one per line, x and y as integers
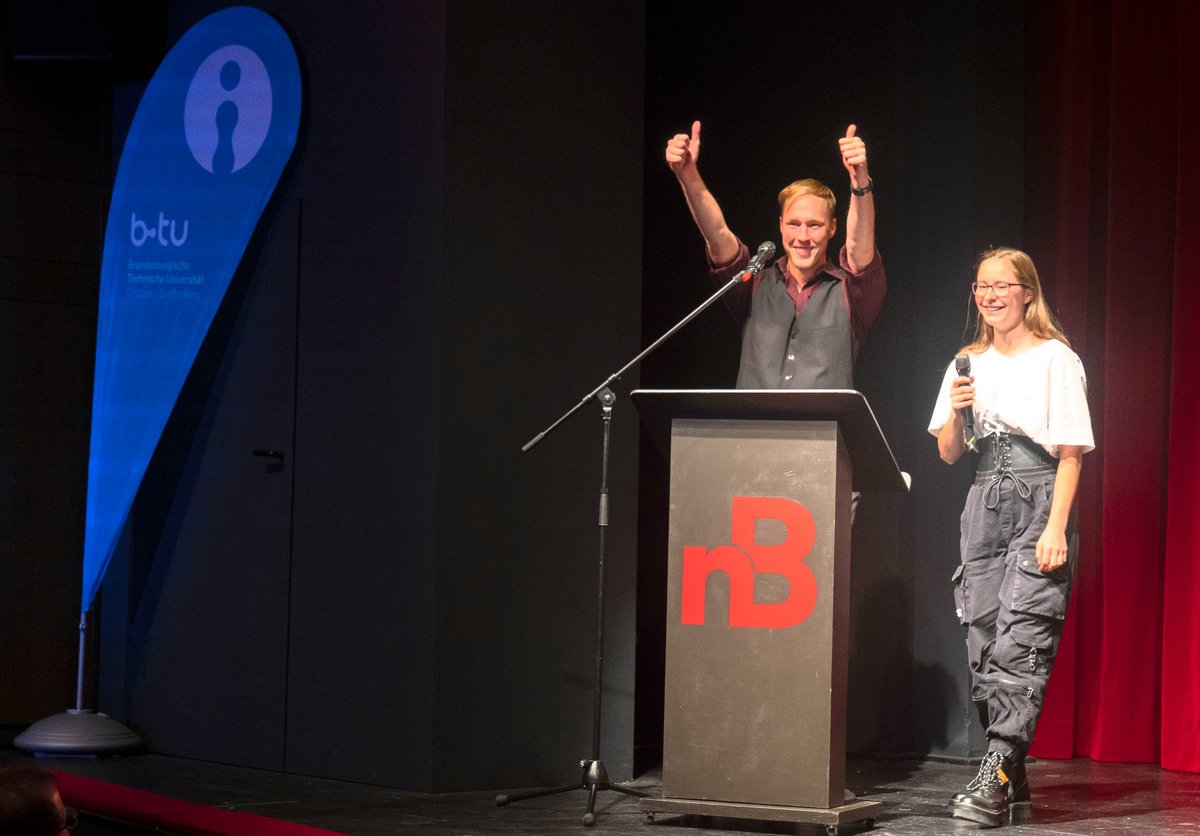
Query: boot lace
{"type": "Point", "coordinates": [988, 776]}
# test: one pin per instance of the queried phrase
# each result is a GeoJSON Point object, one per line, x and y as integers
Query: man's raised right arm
{"type": "Point", "coordinates": [683, 152]}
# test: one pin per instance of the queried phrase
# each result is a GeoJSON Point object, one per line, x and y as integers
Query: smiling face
{"type": "Point", "coordinates": [806, 226]}
{"type": "Point", "coordinates": [1003, 313]}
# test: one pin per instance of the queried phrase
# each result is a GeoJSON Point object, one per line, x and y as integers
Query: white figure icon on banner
{"type": "Point", "coordinates": [228, 109]}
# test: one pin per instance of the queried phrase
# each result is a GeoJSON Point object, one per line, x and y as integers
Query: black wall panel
{"type": "Point", "coordinates": [541, 303]}
{"type": "Point", "coordinates": [441, 584]}
{"type": "Point", "coordinates": [53, 164]}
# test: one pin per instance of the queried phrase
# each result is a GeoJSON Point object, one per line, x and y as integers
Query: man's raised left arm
{"type": "Point", "coordinates": [860, 217]}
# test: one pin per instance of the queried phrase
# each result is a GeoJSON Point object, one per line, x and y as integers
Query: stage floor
{"type": "Point", "coordinates": [1070, 797]}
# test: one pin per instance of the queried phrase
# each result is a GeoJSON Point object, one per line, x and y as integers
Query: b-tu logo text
{"type": "Point", "coordinates": [167, 233]}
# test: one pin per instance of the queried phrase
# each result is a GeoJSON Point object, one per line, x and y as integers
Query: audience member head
{"type": "Point", "coordinates": [30, 804]}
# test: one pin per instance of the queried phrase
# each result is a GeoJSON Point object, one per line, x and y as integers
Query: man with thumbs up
{"type": "Point", "coordinates": [803, 319]}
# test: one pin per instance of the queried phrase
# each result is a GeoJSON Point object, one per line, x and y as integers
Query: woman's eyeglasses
{"type": "Point", "coordinates": [999, 288]}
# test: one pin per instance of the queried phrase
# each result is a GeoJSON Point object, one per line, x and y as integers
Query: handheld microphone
{"type": "Point", "coordinates": [962, 365]}
{"type": "Point", "coordinates": [765, 251]}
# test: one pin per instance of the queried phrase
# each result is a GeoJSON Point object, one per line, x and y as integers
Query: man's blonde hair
{"type": "Point", "coordinates": [808, 186]}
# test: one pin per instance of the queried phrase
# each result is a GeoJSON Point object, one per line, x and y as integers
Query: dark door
{"type": "Point", "coordinates": [210, 533]}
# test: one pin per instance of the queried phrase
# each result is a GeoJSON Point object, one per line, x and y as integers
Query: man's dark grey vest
{"type": "Point", "coordinates": [813, 349]}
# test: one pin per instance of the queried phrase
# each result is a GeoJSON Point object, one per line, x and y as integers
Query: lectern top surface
{"type": "Point", "coordinates": [874, 465]}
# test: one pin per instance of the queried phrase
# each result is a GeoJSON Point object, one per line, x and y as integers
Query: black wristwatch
{"type": "Point", "coordinates": [870, 187]}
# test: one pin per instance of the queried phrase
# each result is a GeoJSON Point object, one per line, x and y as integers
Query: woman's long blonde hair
{"type": "Point", "coordinates": [1039, 319]}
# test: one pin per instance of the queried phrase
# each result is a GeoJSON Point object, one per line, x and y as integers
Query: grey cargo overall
{"type": "Point", "coordinates": [1013, 612]}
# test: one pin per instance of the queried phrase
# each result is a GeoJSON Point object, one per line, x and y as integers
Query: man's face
{"type": "Point", "coordinates": [806, 227]}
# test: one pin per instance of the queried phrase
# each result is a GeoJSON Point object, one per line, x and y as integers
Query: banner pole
{"type": "Point", "coordinates": [79, 669]}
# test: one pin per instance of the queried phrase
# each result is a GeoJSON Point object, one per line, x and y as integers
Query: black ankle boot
{"type": "Point", "coordinates": [998, 793]}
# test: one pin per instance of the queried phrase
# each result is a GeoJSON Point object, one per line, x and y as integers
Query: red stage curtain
{"type": "Point", "coordinates": [1113, 203]}
{"type": "Point", "coordinates": [1181, 617]}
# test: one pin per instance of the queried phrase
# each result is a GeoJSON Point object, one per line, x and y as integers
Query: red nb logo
{"type": "Point", "coordinates": [742, 560]}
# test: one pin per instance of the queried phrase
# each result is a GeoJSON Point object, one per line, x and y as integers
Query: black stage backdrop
{"type": "Point", "coordinates": [936, 91]}
{"type": "Point", "coordinates": [478, 227]}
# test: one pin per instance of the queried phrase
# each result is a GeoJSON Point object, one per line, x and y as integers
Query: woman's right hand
{"type": "Point", "coordinates": [962, 393]}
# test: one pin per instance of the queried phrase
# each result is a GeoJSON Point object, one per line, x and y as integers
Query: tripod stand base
{"type": "Point", "coordinates": [595, 780]}
{"type": "Point", "coordinates": [77, 732]}
{"type": "Point", "coordinates": [854, 812]}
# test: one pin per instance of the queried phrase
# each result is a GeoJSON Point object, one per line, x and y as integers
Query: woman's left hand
{"type": "Point", "coordinates": [1051, 550]}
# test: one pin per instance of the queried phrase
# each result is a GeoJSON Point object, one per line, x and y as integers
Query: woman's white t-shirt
{"type": "Point", "coordinates": [1040, 393]}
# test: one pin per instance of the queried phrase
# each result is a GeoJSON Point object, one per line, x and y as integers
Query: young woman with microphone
{"type": "Point", "coordinates": [1026, 392]}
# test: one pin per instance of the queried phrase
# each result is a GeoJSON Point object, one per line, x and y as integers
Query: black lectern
{"type": "Point", "coordinates": [758, 599]}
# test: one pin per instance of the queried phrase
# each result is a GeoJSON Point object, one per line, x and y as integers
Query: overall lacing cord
{"type": "Point", "coordinates": [1001, 448]}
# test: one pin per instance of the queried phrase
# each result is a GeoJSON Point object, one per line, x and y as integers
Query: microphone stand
{"type": "Point", "coordinates": [595, 777]}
